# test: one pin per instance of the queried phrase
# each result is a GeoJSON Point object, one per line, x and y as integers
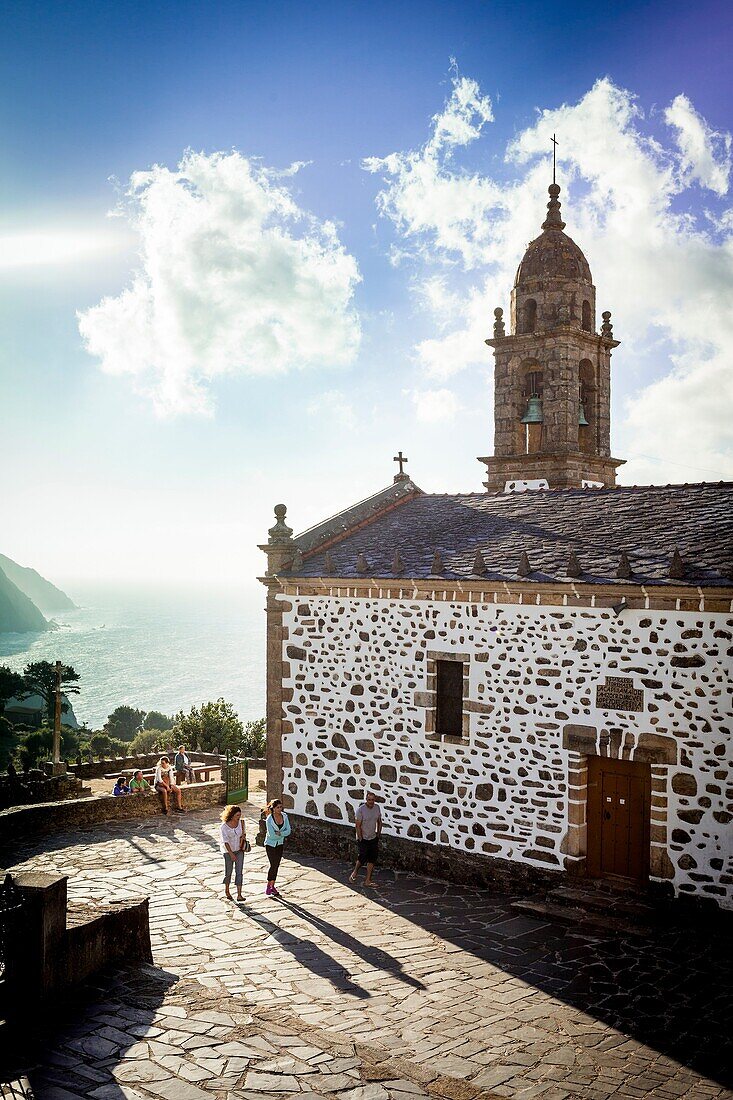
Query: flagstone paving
{"type": "Point", "coordinates": [414, 989]}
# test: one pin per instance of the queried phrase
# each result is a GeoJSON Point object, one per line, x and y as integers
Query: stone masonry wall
{"type": "Point", "coordinates": [358, 714]}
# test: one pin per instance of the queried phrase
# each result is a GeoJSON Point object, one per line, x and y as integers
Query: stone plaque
{"type": "Point", "coordinates": [619, 693]}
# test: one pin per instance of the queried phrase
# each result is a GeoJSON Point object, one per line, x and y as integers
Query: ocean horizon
{"type": "Point", "coordinates": [154, 648]}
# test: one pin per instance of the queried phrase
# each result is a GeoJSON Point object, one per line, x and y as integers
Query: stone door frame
{"type": "Point", "coordinates": [659, 752]}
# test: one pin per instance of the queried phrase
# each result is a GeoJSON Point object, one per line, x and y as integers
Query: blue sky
{"type": "Point", "coordinates": [111, 479]}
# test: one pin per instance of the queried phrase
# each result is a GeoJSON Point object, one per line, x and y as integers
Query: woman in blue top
{"type": "Point", "coordinates": [277, 828]}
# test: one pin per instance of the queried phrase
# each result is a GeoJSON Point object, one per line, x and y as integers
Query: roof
{"type": "Point", "coordinates": [323, 534]}
{"type": "Point", "coordinates": [553, 253]}
{"type": "Point", "coordinates": [647, 523]}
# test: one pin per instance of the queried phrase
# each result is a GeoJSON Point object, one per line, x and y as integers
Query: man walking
{"type": "Point", "coordinates": [368, 828]}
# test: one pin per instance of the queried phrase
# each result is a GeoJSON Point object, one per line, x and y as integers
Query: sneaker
{"type": "Point", "coordinates": [268, 891]}
{"type": "Point", "coordinates": [164, 810]}
{"type": "Point", "coordinates": [179, 810]}
{"type": "Point", "coordinates": [275, 893]}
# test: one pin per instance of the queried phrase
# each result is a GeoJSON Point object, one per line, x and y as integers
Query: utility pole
{"type": "Point", "coordinates": [57, 715]}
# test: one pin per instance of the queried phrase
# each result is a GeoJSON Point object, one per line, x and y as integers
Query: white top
{"type": "Point", "coordinates": [230, 836]}
{"type": "Point", "coordinates": [160, 773]}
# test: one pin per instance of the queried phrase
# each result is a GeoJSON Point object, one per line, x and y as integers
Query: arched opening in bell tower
{"type": "Point", "coordinates": [529, 316]}
{"type": "Point", "coordinates": [587, 319]}
{"type": "Point", "coordinates": [587, 400]}
{"type": "Point", "coordinates": [530, 427]}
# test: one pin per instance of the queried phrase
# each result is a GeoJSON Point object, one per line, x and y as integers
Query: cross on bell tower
{"type": "Point", "coordinates": [552, 370]}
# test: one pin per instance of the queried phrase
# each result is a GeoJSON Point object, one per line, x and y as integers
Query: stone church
{"type": "Point", "coordinates": [536, 680]}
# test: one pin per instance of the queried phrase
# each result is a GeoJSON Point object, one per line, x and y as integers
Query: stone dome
{"type": "Point", "coordinates": [553, 253]}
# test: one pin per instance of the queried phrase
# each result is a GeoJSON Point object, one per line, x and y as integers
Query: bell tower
{"type": "Point", "coordinates": [552, 372]}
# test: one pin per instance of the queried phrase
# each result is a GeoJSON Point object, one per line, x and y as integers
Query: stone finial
{"type": "Point", "coordinates": [624, 570]}
{"type": "Point", "coordinates": [677, 567]}
{"type": "Point", "coordinates": [437, 568]}
{"type": "Point", "coordinates": [499, 323]}
{"type": "Point", "coordinates": [328, 564]}
{"type": "Point", "coordinates": [524, 568]}
{"type": "Point", "coordinates": [398, 566]}
{"type": "Point", "coordinates": [280, 534]}
{"type": "Point", "coordinates": [554, 218]}
{"type": "Point", "coordinates": [479, 565]}
{"type": "Point", "coordinates": [362, 565]}
{"type": "Point", "coordinates": [606, 327]}
{"type": "Point", "coordinates": [574, 568]}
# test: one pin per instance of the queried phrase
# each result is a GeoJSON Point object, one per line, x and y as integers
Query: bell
{"type": "Point", "coordinates": [533, 414]}
{"type": "Point", "coordinates": [581, 416]}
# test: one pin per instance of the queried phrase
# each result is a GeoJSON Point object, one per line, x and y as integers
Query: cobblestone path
{"type": "Point", "coordinates": [416, 988]}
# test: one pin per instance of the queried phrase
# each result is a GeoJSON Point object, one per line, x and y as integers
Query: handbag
{"type": "Point", "coordinates": [247, 846]}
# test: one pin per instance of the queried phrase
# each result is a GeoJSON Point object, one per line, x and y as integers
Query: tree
{"type": "Point", "coordinates": [100, 744]}
{"type": "Point", "coordinates": [211, 726]}
{"type": "Point", "coordinates": [156, 720]}
{"type": "Point", "coordinates": [147, 741]}
{"type": "Point", "coordinates": [36, 746]}
{"type": "Point", "coordinates": [40, 679]}
{"type": "Point", "coordinates": [11, 684]}
{"type": "Point", "coordinates": [124, 722]}
{"type": "Point", "coordinates": [255, 737]}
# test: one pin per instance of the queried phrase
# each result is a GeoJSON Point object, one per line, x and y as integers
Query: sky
{"type": "Point", "coordinates": [249, 251]}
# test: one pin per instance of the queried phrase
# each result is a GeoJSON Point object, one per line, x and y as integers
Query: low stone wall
{"type": "Point", "coordinates": [53, 944]}
{"type": "Point", "coordinates": [52, 817]}
{"type": "Point", "coordinates": [324, 838]}
{"type": "Point", "coordinates": [97, 769]}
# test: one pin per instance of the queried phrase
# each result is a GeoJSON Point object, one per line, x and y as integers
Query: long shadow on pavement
{"type": "Point", "coordinates": [310, 956]}
{"type": "Point", "coordinates": [672, 991]}
{"type": "Point", "coordinates": [374, 956]}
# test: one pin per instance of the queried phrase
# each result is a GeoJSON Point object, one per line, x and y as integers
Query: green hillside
{"type": "Point", "coordinates": [44, 595]}
{"type": "Point", "coordinates": [18, 614]}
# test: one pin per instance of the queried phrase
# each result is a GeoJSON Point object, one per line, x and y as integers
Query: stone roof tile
{"type": "Point", "coordinates": [647, 524]}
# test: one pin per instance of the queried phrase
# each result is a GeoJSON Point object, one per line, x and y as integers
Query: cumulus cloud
{"type": "Point", "coordinates": [234, 278]}
{"type": "Point", "coordinates": [705, 154]}
{"type": "Point", "coordinates": [434, 406]}
{"type": "Point", "coordinates": [663, 267]}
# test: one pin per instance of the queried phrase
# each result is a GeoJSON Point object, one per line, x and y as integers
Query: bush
{"type": "Point", "coordinates": [209, 727]}
{"type": "Point", "coordinates": [100, 744]}
{"type": "Point", "coordinates": [255, 737]}
{"type": "Point", "coordinates": [149, 741]}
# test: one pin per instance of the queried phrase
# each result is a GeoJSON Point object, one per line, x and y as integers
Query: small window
{"type": "Point", "coordinates": [449, 705]}
{"type": "Point", "coordinates": [586, 316]}
{"type": "Point", "coordinates": [530, 315]}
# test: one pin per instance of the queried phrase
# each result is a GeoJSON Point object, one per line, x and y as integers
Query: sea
{"type": "Point", "coordinates": [154, 648]}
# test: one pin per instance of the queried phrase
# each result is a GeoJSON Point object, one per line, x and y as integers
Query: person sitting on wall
{"type": "Point", "coordinates": [165, 786]}
{"type": "Point", "coordinates": [368, 828]}
{"type": "Point", "coordinates": [182, 764]}
{"type": "Point", "coordinates": [121, 786]}
{"type": "Point", "coordinates": [138, 784]}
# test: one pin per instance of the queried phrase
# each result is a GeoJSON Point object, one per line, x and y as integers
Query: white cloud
{"type": "Point", "coordinates": [234, 279]}
{"type": "Point", "coordinates": [434, 406]}
{"type": "Point", "coordinates": [666, 275]}
{"type": "Point", "coordinates": [333, 408]}
{"type": "Point", "coordinates": [705, 154]}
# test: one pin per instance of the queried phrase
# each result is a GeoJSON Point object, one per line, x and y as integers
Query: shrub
{"type": "Point", "coordinates": [255, 737]}
{"type": "Point", "coordinates": [149, 741]}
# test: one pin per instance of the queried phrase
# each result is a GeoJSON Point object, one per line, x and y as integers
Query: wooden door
{"type": "Point", "coordinates": [618, 818]}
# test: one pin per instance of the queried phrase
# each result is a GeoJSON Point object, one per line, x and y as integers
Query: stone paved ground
{"type": "Point", "coordinates": [416, 988]}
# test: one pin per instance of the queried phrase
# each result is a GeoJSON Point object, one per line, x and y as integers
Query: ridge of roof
{"type": "Point", "coordinates": [545, 492]}
{"type": "Point", "coordinates": [351, 519]}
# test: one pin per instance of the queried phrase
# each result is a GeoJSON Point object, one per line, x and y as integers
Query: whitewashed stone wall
{"type": "Point", "coordinates": [356, 676]}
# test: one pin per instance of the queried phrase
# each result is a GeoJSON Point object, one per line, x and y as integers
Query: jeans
{"type": "Point", "coordinates": [236, 865]}
{"type": "Point", "coordinates": [274, 854]}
